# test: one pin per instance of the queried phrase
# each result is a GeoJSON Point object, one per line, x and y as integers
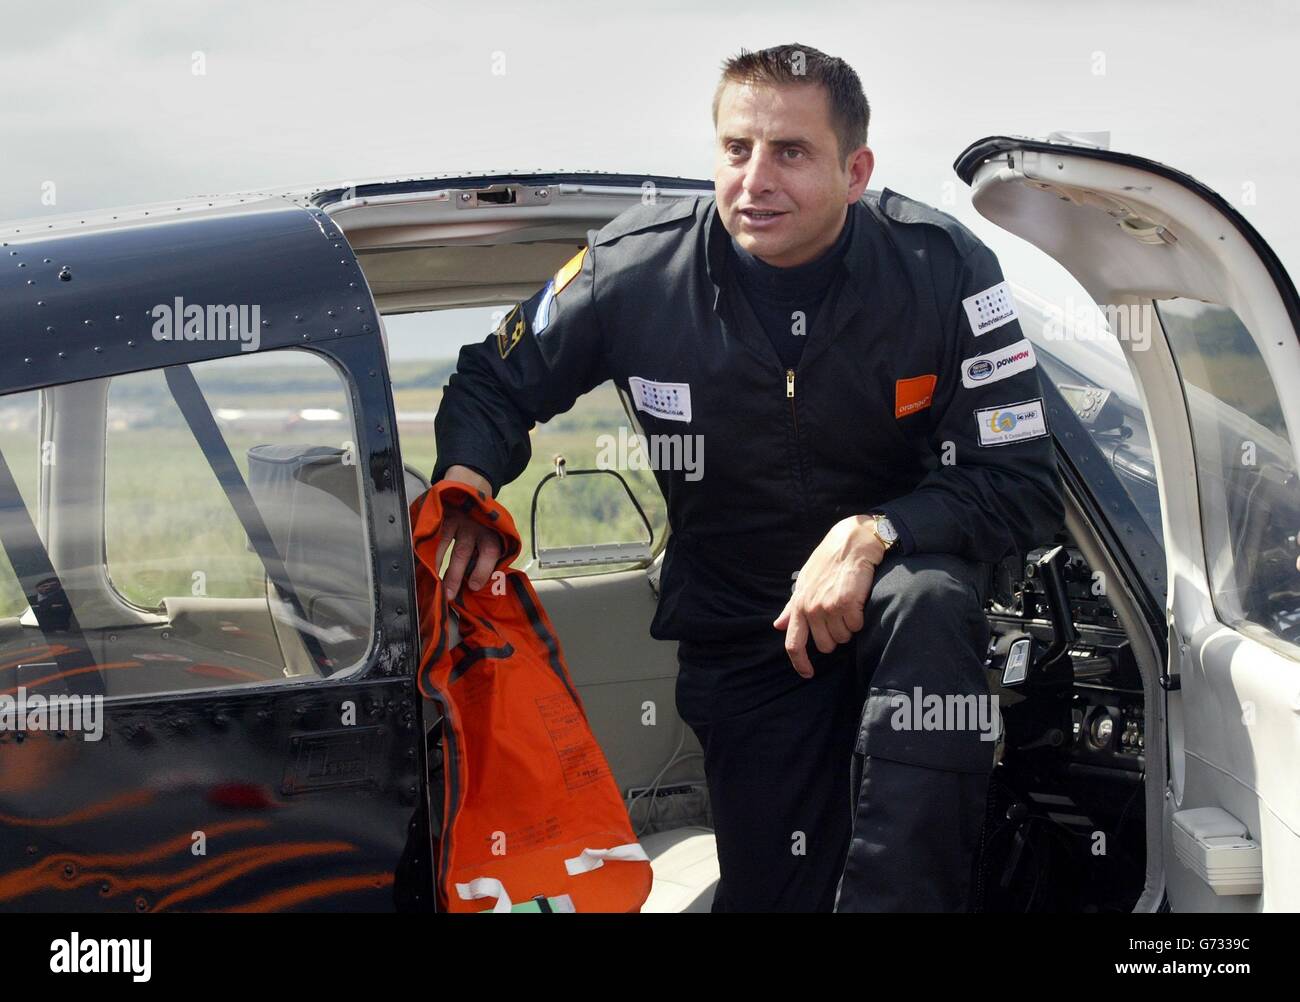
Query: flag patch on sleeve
{"type": "Point", "coordinates": [570, 268]}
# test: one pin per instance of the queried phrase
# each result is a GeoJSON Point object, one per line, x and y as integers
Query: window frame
{"type": "Point", "coordinates": [1214, 583]}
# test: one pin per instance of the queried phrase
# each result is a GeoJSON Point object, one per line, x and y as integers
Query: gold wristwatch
{"type": "Point", "coordinates": [885, 531]}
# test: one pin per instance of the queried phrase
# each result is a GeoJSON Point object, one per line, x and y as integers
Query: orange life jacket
{"type": "Point", "coordinates": [530, 807]}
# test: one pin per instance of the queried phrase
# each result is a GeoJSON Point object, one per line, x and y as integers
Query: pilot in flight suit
{"type": "Point", "coordinates": [911, 394]}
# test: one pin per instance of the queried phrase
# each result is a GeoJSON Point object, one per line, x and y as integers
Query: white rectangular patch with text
{"type": "Point", "coordinates": [990, 309]}
{"type": "Point", "coordinates": [1009, 423]}
{"type": "Point", "coordinates": [998, 364]}
{"type": "Point", "coordinates": [670, 401]}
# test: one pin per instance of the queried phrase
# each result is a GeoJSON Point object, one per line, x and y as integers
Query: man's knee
{"type": "Point", "coordinates": [925, 623]}
{"type": "Point", "coordinates": [932, 586]}
{"type": "Point", "coordinates": [932, 596]}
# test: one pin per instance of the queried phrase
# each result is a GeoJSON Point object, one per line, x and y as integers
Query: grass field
{"type": "Point", "coordinates": [166, 518]}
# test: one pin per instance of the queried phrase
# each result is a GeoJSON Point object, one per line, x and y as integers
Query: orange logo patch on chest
{"type": "Point", "coordinates": [914, 394]}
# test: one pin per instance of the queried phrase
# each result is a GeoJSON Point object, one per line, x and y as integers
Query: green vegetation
{"type": "Point", "coordinates": [166, 517]}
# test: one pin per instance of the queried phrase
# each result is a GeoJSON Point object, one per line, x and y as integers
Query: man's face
{"type": "Point", "coordinates": [781, 186]}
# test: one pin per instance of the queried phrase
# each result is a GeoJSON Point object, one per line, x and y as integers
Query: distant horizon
{"type": "Point", "coordinates": [146, 101]}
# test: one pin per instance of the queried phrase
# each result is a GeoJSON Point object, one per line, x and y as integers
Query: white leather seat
{"type": "Point", "coordinates": [685, 865]}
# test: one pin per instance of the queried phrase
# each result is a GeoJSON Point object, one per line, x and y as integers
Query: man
{"type": "Point", "coordinates": [876, 433]}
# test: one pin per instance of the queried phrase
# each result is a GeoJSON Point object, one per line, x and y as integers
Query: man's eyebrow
{"type": "Point", "coordinates": [793, 141]}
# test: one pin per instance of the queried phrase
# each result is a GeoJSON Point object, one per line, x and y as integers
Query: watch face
{"type": "Point", "coordinates": [885, 530]}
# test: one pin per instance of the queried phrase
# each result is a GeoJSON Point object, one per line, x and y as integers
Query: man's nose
{"type": "Point", "coordinates": [760, 173]}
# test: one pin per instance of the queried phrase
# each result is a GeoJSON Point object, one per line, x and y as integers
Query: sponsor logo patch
{"type": "Point", "coordinates": [1009, 423]}
{"type": "Point", "coordinates": [510, 331]}
{"type": "Point", "coordinates": [914, 394]}
{"type": "Point", "coordinates": [990, 309]}
{"type": "Point", "coordinates": [998, 364]}
{"type": "Point", "coordinates": [670, 401]}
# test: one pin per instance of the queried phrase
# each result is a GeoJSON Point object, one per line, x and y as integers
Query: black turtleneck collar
{"type": "Point", "coordinates": [785, 284]}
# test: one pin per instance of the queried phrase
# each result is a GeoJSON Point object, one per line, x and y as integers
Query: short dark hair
{"type": "Point", "coordinates": [794, 63]}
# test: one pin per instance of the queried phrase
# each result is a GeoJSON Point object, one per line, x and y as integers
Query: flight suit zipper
{"type": "Point", "coordinates": [789, 392]}
{"type": "Point", "coordinates": [798, 446]}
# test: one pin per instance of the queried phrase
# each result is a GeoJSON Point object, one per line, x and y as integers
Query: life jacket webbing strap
{"type": "Point", "coordinates": [594, 859]}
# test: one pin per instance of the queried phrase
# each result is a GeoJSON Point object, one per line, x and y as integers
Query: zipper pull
{"type": "Point", "coordinates": [789, 383]}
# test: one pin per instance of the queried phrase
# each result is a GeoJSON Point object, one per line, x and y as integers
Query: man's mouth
{"type": "Point", "coordinates": [760, 213]}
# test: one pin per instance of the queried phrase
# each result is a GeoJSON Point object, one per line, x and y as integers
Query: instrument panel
{"type": "Point", "coordinates": [1091, 672]}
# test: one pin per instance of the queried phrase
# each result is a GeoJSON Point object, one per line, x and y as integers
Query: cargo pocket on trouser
{"type": "Point", "coordinates": [918, 784]}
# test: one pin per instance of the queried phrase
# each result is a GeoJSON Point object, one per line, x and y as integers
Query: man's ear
{"type": "Point", "coordinates": [859, 167]}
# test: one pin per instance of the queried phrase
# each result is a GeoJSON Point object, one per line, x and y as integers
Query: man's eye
{"type": "Point", "coordinates": [793, 153]}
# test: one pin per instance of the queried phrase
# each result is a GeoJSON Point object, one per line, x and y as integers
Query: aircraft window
{"type": "Point", "coordinates": [20, 447]}
{"type": "Point", "coordinates": [1245, 467]}
{"type": "Point", "coordinates": [259, 578]}
{"type": "Point", "coordinates": [1085, 363]}
{"type": "Point", "coordinates": [595, 433]}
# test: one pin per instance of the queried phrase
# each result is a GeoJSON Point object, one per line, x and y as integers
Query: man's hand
{"type": "Point", "coordinates": [470, 540]}
{"type": "Point", "coordinates": [831, 591]}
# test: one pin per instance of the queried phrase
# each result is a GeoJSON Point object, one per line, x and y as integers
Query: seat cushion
{"type": "Point", "coordinates": [685, 865]}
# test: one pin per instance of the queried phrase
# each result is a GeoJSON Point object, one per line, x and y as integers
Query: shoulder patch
{"type": "Point", "coordinates": [902, 209]}
{"type": "Point", "coordinates": [666, 209]}
{"type": "Point", "coordinates": [567, 270]}
{"type": "Point", "coordinates": [510, 330]}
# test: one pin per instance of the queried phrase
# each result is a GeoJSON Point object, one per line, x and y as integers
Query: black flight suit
{"type": "Point", "coordinates": [916, 396]}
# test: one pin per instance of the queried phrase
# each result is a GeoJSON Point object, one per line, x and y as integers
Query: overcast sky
{"type": "Point", "coordinates": [101, 99]}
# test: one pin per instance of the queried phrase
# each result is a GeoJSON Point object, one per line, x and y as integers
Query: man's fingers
{"type": "Point", "coordinates": [782, 620]}
{"type": "Point", "coordinates": [461, 552]}
{"type": "Point", "coordinates": [821, 635]}
{"type": "Point", "coordinates": [838, 630]}
{"type": "Point", "coordinates": [453, 527]}
{"type": "Point", "coordinates": [489, 552]}
{"type": "Point", "coordinates": [796, 641]}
